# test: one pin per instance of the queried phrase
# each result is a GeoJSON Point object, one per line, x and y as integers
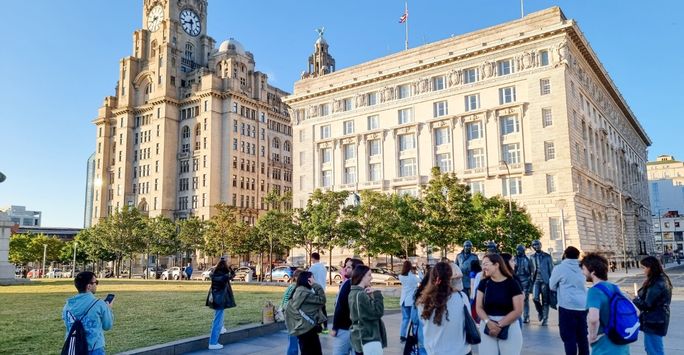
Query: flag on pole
{"type": "Point", "coordinates": [404, 17]}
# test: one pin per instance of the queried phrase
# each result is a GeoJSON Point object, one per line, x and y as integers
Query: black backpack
{"type": "Point", "coordinates": [76, 342]}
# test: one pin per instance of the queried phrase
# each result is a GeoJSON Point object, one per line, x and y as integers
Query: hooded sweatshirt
{"type": "Point", "coordinates": [567, 279]}
{"type": "Point", "coordinates": [98, 319]}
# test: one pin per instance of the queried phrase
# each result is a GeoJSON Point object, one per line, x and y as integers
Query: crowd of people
{"type": "Point", "coordinates": [441, 306]}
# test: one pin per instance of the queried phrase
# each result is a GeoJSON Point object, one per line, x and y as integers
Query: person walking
{"type": "Point", "coordinates": [188, 271]}
{"type": "Point", "coordinates": [304, 313]}
{"type": "Point", "coordinates": [595, 269]}
{"type": "Point", "coordinates": [409, 284]}
{"type": "Point", "coordinates": [568, 281]}
{"type": "Point", "coordinates": [96, 314]}
{"type": "Point", "coordinates": [220, 297]}
{"type": "Point", "coordinates": [653, 300]}
{"type": "Point", "coordinates": [499, 304]}
{"type": "Point", "coordinates": [320, 275]}
{"type": "Point", "coordinates": [293, 342]}
{"type": "Point", "coordinates": [366, 306]}
{"type": "Point", "coordinates": [440, 308]}
{"type": "Point", "coordinates": [341, 318]}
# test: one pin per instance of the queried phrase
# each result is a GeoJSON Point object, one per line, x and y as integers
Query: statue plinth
{"type": "Point", "coordinates": [6, 269]}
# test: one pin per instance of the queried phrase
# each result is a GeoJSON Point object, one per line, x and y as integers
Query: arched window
{"type": "Point", "coordinates": [186, 132]}
{"type": "Point", "coordinates": [153, 49]}
{"type": "Point", "coordinates": [198, 130]}
{"type": "Point", "coordinates": [287, 146]}
{"type": "Point", "coordinates": [276, 143]}
{"type": "Point", "coordinates": [188, 51]}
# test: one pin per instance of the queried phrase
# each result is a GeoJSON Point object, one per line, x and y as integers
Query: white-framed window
{"type": "Point", "coordinates": [326, 155]}
{"type": "Point", "coordinates": [438, 83]}
{"type": "Point", "coordinates": [374, 147]}
{"type": "Point", "coordinates": [350, 175]}
{"type": "Point", "coordinates": [440, 108]}
{"type": "Point", "coordinates": [373, 122]}
{"type": "Point", "coordinates": [374, 173]}
{"type": "Point", "coordinates": [543, 58]}
{"type": "Point", "coordinates": [509, 125]}
{"type": "Point", "coordinates": [474, 130]}
{"type": "Point", "coordinates": [550, 184]}
{"type": "Point", "coordinates": [324, 109]}
{"type": "Point", "coordinates": [506, 95]}
{"type": "Point", "coordinates": [406, 142]}
{"type": "Point", "coordinates": [476, 187]}
{"type": "Point", "coordinates": [403, 91]}
{"type": "Point", "coordinates": [405, 115]}
{"type": "Point", "coordinates": [348, 127]}
{"type": "Point", "coordinates": [472, 102]}
{"type": "Point", "coordinates": [544, 86]}
{"type": "Point", "coordinates": [547, 117]}
{"type": "Point", "coordinates": [554, 228]}
{"type": "Point", "coordinates": [349, 151]}
{"type": "Point", "coordinates": [511, 153]}
{"type": "Point", "coordinates": [470, 75]}
{"type": "Point", "coordinates": [511, 186]}
{"type": "Point", "coordinates": [372, 98]}
{"type": "Point", "coordinates": [407, 167]}
{"type": "Point", "coordinates": [475, 158]}
{"type": "Point", "coordinates": [549, 150]}
{"type": "Point", "coordinates": [504, 66]}
{"type": "Point", "coordinates": [442, 136]}
{"type": "Point", "coordinates": [326, 178]}
{"type": "Point", "coordinates": [346, 104]}
{"type": "Point", "coordinates": [444, 162]}
{"type": "Point", "coordinates": [325, 131]}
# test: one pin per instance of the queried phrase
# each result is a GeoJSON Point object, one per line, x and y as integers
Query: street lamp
{"type": "Point", "coordinates": [510, 200]}
{"type": "Point", "coordinates": [44, 255]}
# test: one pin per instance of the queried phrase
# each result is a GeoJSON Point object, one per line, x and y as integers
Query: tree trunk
{"type": "Point", "coordinates": [130, 266]}
{"type": "Point", "coordinates": [330, 266]}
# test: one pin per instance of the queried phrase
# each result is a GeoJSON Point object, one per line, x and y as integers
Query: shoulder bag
{"type": "Point", "coordinates": [472, 334]}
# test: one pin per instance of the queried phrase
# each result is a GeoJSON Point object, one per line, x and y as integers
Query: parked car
{"type": "Point", "coordinates": [55, 273]}
{"type": "Point", "coordinates": [242, 271]}
{"type": "Point", "coordinates": [153, 273]}
{"type": "Point", "coordinates": [68, 274]}
{"type": "Point", "coordinates": [34, 273]}
{"type": "Point", "coordinates": [206, 274]}
{"type": "Point", "coordinates": [336, 277]}
{"type": "Point", "coordinates": [382, 276]}
{"type": "Point", "coordinates": [174, 273]}
{"type": "Point", "coordinates": [281, 273]}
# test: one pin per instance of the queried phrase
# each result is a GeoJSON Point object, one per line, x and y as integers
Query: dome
{"type": "Point", "coordinates": [321, 40]}
{"type": "Point", "coordinates": [232, 45]}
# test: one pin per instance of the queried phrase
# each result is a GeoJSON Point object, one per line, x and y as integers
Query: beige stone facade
{"type": "Point", "coordinates": [529, 92]}
{"type": "Point", "coordinates": [190, 125]}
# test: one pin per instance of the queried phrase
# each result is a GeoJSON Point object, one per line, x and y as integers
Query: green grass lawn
{"type": "Point", "coordinates": [145, 312]}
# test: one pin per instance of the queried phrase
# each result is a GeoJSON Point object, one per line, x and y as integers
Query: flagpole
{"type": "Point", "coordinates": [406, 23]}
{"type": "Point", "coordinates": [522, 8]}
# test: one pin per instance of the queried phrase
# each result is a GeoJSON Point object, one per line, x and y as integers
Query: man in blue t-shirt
{"type": "Point", "coordinates": [595, 269]}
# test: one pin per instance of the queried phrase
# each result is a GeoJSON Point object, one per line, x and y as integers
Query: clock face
{"type": "Point", "coordinates": [154, 18]}
{"type": "Point", "coordinates": [190, 22]}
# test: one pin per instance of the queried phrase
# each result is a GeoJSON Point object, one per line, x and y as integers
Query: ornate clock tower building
{"type": "Point", "coordinates": [183, 116]}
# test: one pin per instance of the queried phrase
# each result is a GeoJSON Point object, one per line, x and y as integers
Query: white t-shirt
{"type": "Point", "coordinates": [448, 338]}
{"type": "Point", "coordinates": [319, 273]}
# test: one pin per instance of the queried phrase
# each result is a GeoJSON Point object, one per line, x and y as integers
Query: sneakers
{"type": "Point", "coordinates": [224, 330]}
{"type": "Point", "coordinates": [215, 346]}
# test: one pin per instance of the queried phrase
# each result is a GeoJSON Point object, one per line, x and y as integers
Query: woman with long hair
{"type": "Point", "coordinates": [499, 304]}
{"type": "Point", "coordinates": [440, 307]}
{"type": "Point", "coordinates": [366, 307]}
{"type": "Point", "coordinates": [304, 313]}
{"type": "Point", "coordinates": [219, 298]}
{"type": "Point", "coordinates": [653, 300]}
{"type": "Point", "coordinates": [409, 283]}
{"type": "Point", "coordinates": [293, 345]}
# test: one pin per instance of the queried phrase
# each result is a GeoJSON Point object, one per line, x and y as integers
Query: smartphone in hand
{"type": "Point", "coordinates": [109, 298]}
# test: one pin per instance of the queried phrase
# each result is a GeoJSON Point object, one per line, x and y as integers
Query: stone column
{"type": "Point", "coordinates": [6, 269]}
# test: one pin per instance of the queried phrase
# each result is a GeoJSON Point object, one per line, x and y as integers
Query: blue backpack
{"type": "Point", "coordinates": [623, 325]}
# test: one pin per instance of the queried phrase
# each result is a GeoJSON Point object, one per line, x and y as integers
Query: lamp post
{"type": "Point", "coordinates": [510, 200]}
{"type": "Point", "coordinates": [44, 255]}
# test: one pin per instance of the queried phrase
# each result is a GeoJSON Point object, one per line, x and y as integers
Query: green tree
{"type": "Point", "coordinates": [20, 249]}
{"type": "Point", "coordinates": [369, 225]}
{"type": "Point", "coordinates": [67, 253]}
{"type": "Point", "coordinates": [159, 237]}
{"type": "Point", "coordinates": [406, 217]}
{"type": "Point", "coordinates": [191, 233]}
{"type": "Point", "coordinates": [52, 252]}
{"type": "Point", "coordinates": [122, 233]}
{"type": "Point", "coordinates": [91, 241]}
{"type": "Point", "coordinates": [273, 228]}
{"type": "Point", "coordinates": [495, 225]}
{"type": "Point", "coordinates": [226, 232]}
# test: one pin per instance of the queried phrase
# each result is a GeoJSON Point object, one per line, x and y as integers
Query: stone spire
{"type": "Point", "coordinates": [320, 62]}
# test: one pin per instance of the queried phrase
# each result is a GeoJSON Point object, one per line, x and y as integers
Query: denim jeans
{"type": "Point", "coordinates": [653, 344]}
{"type": "Point", "coordinates": [216, 327]}
{"type": "Point", "coordinates": [573, 331]}
{"type": "Point", "coordinates": [293, 346]}
{"type": "Point", "coordinates": [342, 342]}
{"type": "Point", "coordinates": [405, 318]}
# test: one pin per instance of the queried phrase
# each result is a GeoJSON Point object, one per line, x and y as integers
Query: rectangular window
{"type": "Point", "coordinates": [302, 135]}
{"type": "Point", "coordinates": [549, 150]}
{"type": "Point", "coordinates": [506, 95]}
{"type": "Point", "coordinates": [348, 127]}
{"type": "Point", "coordinates": [511, 186]}
{"type": "Point", "coordinates": [403, 91]}
{"type": "Point", "coordinates": [346, 104]}
{"type": "Point", "coordinates": [547, 117]}
{"type": "Point", "coordinates": [544, 86]}
{"type": "Point", "coordinates": [349, 151]}
{"type": "Point", "coordinates": [324, 109]}
{"type": "Point", "coordinates": [438, 83]}
{"type": "Point", "coordinates": [405, 115]}
{"type": "Point", "coordinates": [475, 158]}
{"type": "Point", "coordinates": [550, 184]}
{"type": "Point", "coordinates": [373, 147]}
{"type": "Point", "coordinates": [470, 75]}
{"type": "Point", "coordinates": [509, 125]}
{"type": "Point", "coordinates": [442, 136]}
{"type": "Point", "coordinates": [444, 162]}
{"type": "Point", "coordinates": [476, 187]}
{"type": "Point", "coordinates": [325, 131]}
{"type": "Point", "coordinates": [544, 58]}
{"type": "Point", "coordinates": [406, 142]}
{"type": "Point", "coordinates": [504, 67]}
{"type": "Point", "coordinates": [407, 167]}
{"type": "Point", "coordinates": [372, 98]}
{"type": "Point", "coordinates": [554, 228]}
{"type": "Point", "coordinates": [511, 153]}
{"type": "Point", "coordinates": [326, 178]}
{"type": "Point", "coordinates": [472, 102]}
{"type": "Point", "coordinates": [350, 175]}
{"type": "Point", "coordinates": [374, 172]}
{"type": "Point", "coordinates": [440, 108]}
{"type": "Point", "coordinates": [474, 130]}
{"type": "Point", "coordinates": [373, 122]}
{"type": "Point", "coordinates": [326, 155]}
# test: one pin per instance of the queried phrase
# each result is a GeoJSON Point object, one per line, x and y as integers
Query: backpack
{"type": "Point", "coordinates": [623, 324]}
{"type": "Point", "coordinates": [76, 342]}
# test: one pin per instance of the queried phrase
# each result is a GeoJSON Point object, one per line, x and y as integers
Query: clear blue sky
{"type": "Point", "coordinates": [60, 59]}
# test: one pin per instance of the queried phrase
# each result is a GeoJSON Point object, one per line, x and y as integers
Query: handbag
{"type": "Point", "coordinates": [503, 334]}
{"type": "Point", "coordinates": [411, 344]}
{"type": "Point", "coordinates": [472, 334]}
